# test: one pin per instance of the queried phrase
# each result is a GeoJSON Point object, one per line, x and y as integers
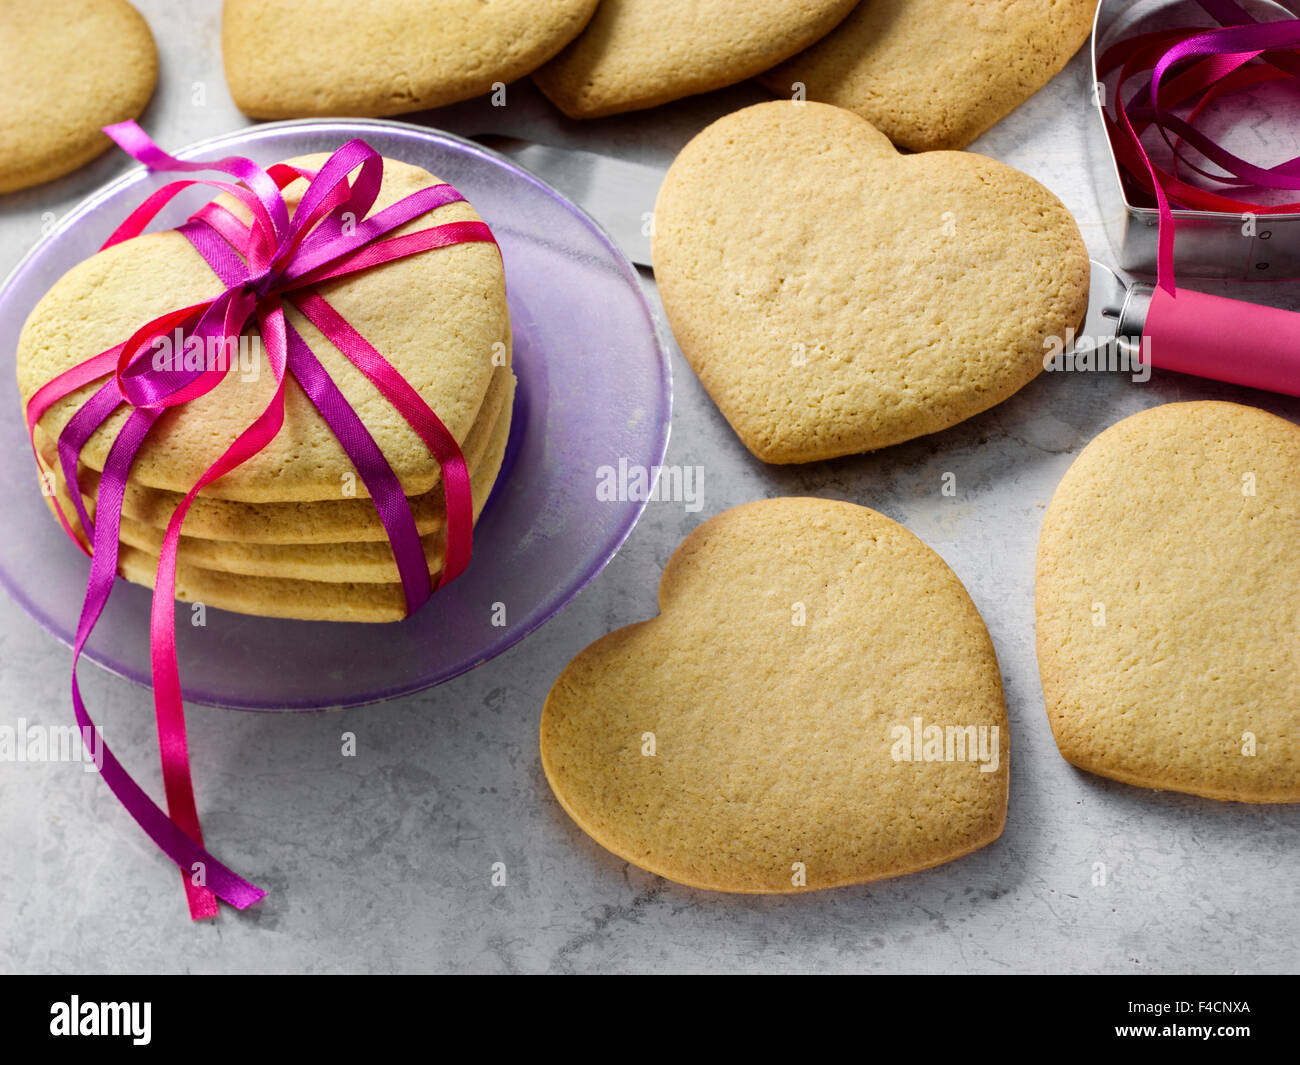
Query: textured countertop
{"type": "Point", "coordinates": [383, 862]}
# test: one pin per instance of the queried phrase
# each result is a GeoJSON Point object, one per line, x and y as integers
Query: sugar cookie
{"type": "Point", "coordinates": [817, 704]}
{"type": "Point", "coordinates": [304, 58]}
{"type": "Point", "coordinates": [1166, 594]}
{"type": "Point", "coordinates": [934, 74]}
{"type": "Point", "coordinates": [835, 296]}
{"type": "Point", "coordinates": [641, 53]}
{"type": "Point", "coordinates": [69, 68]}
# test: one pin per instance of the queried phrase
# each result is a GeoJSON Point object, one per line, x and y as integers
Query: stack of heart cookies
{"type": "Point", "coordinates": [291, 532]}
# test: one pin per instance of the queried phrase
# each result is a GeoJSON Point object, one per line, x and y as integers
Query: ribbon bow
{"type": "Point", "coordinates": [276, 257]}
{"type": "Point", "coordinates": [1216, 63]}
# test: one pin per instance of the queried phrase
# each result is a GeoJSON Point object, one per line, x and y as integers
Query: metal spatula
{"type": "Point", "coordinates": [617, 194]}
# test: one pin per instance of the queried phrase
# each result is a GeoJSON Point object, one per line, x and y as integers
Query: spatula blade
{"type": "Point", "coordinates": [618, 194]}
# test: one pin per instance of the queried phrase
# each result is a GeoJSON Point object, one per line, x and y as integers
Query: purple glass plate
{"type": "Point", "coordinates": [594, 387]}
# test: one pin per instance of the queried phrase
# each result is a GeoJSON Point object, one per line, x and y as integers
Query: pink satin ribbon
{"type": "Point", "coordinates": [277, 256]}
{"type": "Point", "coordinates": [1209, 64]}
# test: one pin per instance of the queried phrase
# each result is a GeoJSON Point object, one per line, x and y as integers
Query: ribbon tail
{"type": "Point", "coordinates": [171, 838]}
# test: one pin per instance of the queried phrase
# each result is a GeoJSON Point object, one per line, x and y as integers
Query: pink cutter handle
{"type": "Point", "coordinates": [1226, 340]}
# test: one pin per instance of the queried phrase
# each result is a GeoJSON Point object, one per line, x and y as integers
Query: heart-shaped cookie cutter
{"type": "Point", "coordinates": [1210, 244]}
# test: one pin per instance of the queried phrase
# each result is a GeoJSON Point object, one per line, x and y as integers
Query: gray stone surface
{"type": "Point", "coordinates": [382, 862]}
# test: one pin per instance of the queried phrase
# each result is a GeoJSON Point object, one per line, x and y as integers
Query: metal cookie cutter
{"type": "Point", "coordinates": [1210, 244]}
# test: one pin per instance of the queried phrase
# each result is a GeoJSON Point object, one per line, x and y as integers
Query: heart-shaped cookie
{"type": "Point", "coordinates": [641, 53]}
{"type": "Point", "coordinates": [835, 296]}
{"type": "Point", "coordinates": [69, 68]}
{"type": "Point", "coordinates": [300, 58]}
{"type": "Point", "coordinates": [817, 704]}
{"type": "Point", "coordinates": [1167, 590]}
{"type": "Point", "coordinates": [933, 73]}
